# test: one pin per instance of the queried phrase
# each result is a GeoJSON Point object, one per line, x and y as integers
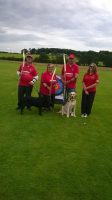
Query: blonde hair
{"type": "Point", "coordinates": [94, 68]}
{"type": "Point", "coordinates": [50, 65]}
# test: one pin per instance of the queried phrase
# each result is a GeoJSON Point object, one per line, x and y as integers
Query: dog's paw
{"type": "Point", "coordinates": [73, 115]}
{"type": "Point", "coordinates": [59, 112]}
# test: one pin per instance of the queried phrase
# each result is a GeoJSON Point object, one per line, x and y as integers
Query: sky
{"type": "Point", "coordinates": [68, 24]}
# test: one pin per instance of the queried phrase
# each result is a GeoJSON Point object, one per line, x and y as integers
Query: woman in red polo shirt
{"type": "Point", "coordinates": [47, 86]}
{"type": "Point", "coordinates": [90, 81]}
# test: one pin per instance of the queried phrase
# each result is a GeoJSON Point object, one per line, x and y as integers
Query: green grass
{"type": "Point", "coordinates": [52, 157]}
{"type": "Point", "coordinates": [10, 56]}
{"type": "Point", "coordinates": [15, 55]}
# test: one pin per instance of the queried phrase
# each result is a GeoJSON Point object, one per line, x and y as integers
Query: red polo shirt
{"type": "Point", "coordinates": [90, 79]}
{"type": "Point", "coordinates": [28, 72]}
{"type": "Point", "coordinates": [71, 70]}
{"type": "Point", "coordinates": [46, 78]}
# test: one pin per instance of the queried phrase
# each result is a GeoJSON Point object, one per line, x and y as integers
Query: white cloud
{"type": "Point", "coordinates": [72, 24]}
{"type": "Point", "coordinates": [105, 5]}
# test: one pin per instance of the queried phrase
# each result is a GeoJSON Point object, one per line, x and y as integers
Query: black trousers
{"type": "Point", "coordinates": [23, 91]}
{"type": "Point", "coordinates": [87, 102]}
{"type": "Point", "coordinates": [48, 100]}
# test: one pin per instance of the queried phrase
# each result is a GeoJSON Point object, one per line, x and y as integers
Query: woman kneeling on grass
{"type": "Point", "coordinates": [90, 81]}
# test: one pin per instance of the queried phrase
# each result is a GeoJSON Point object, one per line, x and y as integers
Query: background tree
{"type": "Point", "coordinates": [25, 51]}
{"type": "Point", "coordinates": [44, 58]}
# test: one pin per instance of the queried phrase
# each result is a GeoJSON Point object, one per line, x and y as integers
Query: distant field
{"type": "Point", "coordinates": [13, 55]}
{"type": "Point", "coordinates": [52, 157]}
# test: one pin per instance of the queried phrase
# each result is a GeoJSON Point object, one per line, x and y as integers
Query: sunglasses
{"type": "Point", "coordinates": [91, 66]}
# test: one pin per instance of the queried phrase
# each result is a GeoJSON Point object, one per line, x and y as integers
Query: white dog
{"type": "Point", "coordinates": [69, 108]}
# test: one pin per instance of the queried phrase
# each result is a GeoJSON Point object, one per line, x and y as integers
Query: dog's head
{"type": "Point", "coordinates": [72, 96]}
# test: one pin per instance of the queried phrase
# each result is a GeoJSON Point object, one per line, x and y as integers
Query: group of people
{"type": "Point", "coordinates": [28, 75]}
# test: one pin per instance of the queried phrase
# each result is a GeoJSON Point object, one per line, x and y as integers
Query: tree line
{"type": "Point", "coordinates": [55, 55]}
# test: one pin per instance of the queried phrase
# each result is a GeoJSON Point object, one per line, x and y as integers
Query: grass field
{"type": "Point", "coordinates": [13, 56]}
{"type": "Point", "coordinates": [52, 157]}
{"type": "Point", "coordinates": [9, 55]}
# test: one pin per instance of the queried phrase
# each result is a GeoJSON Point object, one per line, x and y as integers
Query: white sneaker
{"type": "Point", "coordinates": [85, 115]}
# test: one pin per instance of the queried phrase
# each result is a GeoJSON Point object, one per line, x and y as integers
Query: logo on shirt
{"type": "Point", "coordinates": [69, 74]}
